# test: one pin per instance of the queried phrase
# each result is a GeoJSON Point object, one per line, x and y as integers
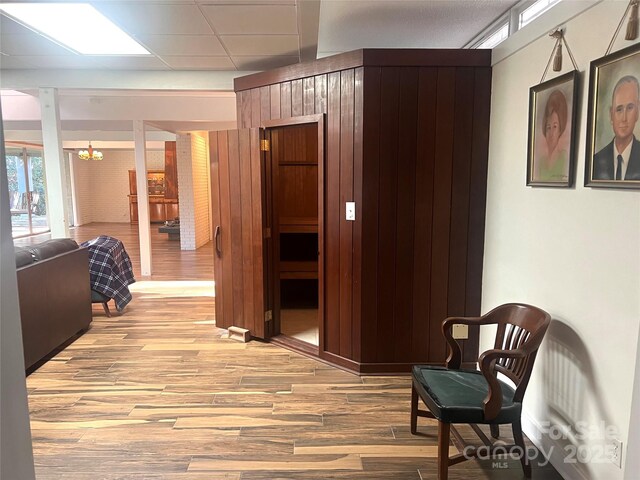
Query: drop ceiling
{"type": "Point", "coordinates": [249, 35]}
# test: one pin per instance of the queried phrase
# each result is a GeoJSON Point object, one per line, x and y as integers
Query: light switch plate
{"type": "Point", "coordinates": [351, 211]}
{"type": "Point", "coordinates": [460, 332]}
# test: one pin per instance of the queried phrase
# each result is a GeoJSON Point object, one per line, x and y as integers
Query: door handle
{"type": "Point", "coordinates": [216, 237]}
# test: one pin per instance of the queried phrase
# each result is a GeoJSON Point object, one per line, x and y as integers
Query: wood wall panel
{"type": "Point", "coordinates": [332, 217]}
{"type": "Point", "coordinates": [425, 159]}
{"type": "Point", "coordinates": [235, 206]}
{"type": "Point", "coordinates": [257, 237]}
{"type": "Point", "coordinates": [346, 195]}
{"type": "Point", "coordinates": [441, 209]}
{"type": "Point", "coordinates": [225, 223]}
{"type": "Point", "coordinates": [244, 158]}
{"type": "Point", "coordinates": [256, 111]}
{"type": "Point", "coordinates": [387, 202]}
{"type": "Point", "coordinates": [369, 219]}
{"type": "Point", "coordinates": [216, 218]}
{"type": "Point", "coordinates": [356, 314]}
{"type": "Point", "coordinates": [405, 213]}
{"type": "Point", "coordinates": [409, 145]}
{"type": "Point", "coordinates": [285, 100]}
{"type": "Point", "coordinates": [245, 114]}
{"type": "Point", "coordinates": [296, 98]}
{"type": "Point", "coordinates": [478, 195]}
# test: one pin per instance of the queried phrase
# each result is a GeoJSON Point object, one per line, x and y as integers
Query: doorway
{"type": "Point", "coordinates": [294, 200]}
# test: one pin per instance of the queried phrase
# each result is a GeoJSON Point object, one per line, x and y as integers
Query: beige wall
{"type": "Point", "coordinates": [572, 251]}
{"type": "Point", "coordinates": [102, 186]}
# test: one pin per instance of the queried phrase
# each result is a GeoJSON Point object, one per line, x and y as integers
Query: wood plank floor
{"type": "Point", "coordinates": [156, 393]}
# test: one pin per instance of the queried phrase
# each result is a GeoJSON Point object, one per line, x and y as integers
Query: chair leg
{"type": "Point", "coordinates": [444, 430]}
{"type": "Point", "coordinates": [414, 409]}
{"type": "Point", "coordinates": [519, 441]}
{"type": "Point", "coordinates": [495, 430]}
{"type": "Point", "coordinates": [105, 305]}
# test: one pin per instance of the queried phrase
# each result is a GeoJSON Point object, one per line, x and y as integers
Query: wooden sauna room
{"type": "Point", "coordinates": [349, 205]}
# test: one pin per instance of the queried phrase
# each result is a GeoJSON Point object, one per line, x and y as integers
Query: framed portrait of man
{"type": "Point", "coordinates": [613, 130]}
{"type": "Point", "coordinates": [552, 127]}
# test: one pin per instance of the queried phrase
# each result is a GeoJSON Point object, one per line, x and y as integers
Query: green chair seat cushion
{"type": "Point", "coordinates": [97, 297]}
{"type": "Point", "coordinates": [456, 396]}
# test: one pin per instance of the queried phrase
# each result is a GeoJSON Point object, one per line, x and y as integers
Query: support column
{"type": "Point", "coordinates": [15, 436]}
{"type": "Point", "coordinates": [53, 163]}
{"type": "Point", "coordinates": [143, 197]}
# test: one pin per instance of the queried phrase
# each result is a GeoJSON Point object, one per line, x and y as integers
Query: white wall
{"type": "Point", "coordinates": [193, 178]}
{"type": "Point", "coordinates": [556, 248]}
{"type": "Point", "coordinates": [102, 186]}
{"type": "Point", "coordinates": [16, 454]}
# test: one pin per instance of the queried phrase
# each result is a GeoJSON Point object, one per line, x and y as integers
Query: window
{"type": "Point", "coordinates": [496, 37]}
{"type": "Point", "coordinates": [534, 11]}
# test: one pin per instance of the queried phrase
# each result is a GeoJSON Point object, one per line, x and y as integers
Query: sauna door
{"type": "Point", "coordinates": [236, 193]}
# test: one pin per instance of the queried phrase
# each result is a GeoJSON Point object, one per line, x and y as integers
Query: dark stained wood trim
{"type": "Point", "coordinates": [366, 58]}
{"type": "Point", "coordinates": [236, 251]}
{"type": "Point", "coordinates": [284, 122]}
{"type": "Point", "coordinates": [225, 222]}
{"type": "Point", "coordinates": [321, 239]}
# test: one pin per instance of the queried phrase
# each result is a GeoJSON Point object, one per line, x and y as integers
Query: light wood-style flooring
{"type": "Point", "coordinates": [156, 393]}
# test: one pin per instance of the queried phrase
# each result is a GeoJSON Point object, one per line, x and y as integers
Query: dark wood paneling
{"type": "Point", "coordinates": [296, 98]}
{"type": "Point", "coordinates": [405, 220]}
{"type": "Point", "coordinates": [275, 101]}
{"type": "Point", "coordinates": [298, 193]}
{"type": "Point", "coordinates": [441, 210]}
{"type": "Point", "coordinates": [477, 199]}
{"type": "Point", "coordinates": [387, 202]}
{"type": "Point", "coordinates": [255, 107]}
{"type": "Point", "coordinates": [265, 103]}
{"type": "Point", "coordinates": [369, 210]}
{"type": "Point", "coordinates": [308, 96]}
{"type": "Point", "coordinates": [235, 206]}
{"type": "Point", "coordinates": [366, 58]}
{"type": "Point", "coordinates": [426, 128]}
{"type": "Point", "coordinates": [244, 157]}
{"type": "Point", "coordinates": [356, 327]}
{"type": "Point", "coordinates": [285, 100]}
{"type": "Point", "coordinates": [346, 195]}
{"type": "Point", "coordinates": [245, 114]}
{"type": "Point", "coordinates": [225, 235]}
{"type": "Point", "coordinates": [320, 94]}
{"type": "Point", "coordinates": [463, 128]}
{"type": "Point", "coordinates": [332, 217]}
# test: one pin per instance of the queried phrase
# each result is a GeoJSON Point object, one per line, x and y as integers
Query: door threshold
{"type": "Point", "coordinates": [296, 345]}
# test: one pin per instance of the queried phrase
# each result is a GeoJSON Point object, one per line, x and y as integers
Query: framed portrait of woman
{"type": "Point", "coordinates": [552, 126]}
{"type": "Point", "coordinates": [613, 129]}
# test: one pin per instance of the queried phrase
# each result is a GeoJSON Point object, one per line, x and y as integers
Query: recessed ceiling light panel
{"type": "Point", "coordinates": [77, 26]}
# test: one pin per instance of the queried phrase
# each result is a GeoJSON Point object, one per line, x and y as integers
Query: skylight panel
{"type": "Point", "coordinates": [77, 26]}
{"type": "Point", "coordinates": [535, 10]}
{"type": "Point", "coordinates": [496, 37]}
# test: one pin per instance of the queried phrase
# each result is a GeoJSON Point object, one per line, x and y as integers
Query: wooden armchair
{"type": "Point", "coordinates": [454, 395]}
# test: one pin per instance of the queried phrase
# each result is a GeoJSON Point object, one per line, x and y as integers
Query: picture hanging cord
{"type": "Point", "coordinates": [632, 28]}
{"type": "Point", "coordinates": [557, 50]}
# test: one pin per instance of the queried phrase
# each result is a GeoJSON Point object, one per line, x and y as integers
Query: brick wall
{"type": "Point", "coordinates": [102, 186]}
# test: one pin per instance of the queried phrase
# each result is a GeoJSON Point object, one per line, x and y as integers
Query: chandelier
{"type": "Point", "coordinates": [90, 154]}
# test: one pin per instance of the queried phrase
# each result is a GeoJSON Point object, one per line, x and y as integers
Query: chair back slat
{"type": "Point", "coordinates": [518, 325]}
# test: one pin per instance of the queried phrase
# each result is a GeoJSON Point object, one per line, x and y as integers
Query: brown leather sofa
{"type": "Point", "coordinates": [55, 296]}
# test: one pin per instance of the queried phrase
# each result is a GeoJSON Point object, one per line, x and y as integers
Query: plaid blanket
{"type": "Point", "coordinates": [110, 269]}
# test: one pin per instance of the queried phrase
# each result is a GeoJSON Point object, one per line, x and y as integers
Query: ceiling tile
{"type": "Point", "coordinates": [183, 44]}
{"type": "Point", "coordinates": [263, 62]}
{"type": "Point", "coordinates": [130, 63]}
{"type": "Point", "coordinates": [199, 63]}
{"type": "Point", "coordinates": [252, 19]}
{"type": "Point", "coordinates": [261, 44]}
{"type": "Point", "coordinates": [58, 61]}
{"type": "Point", "coordinates": [30, 44]}
{"type": "Point", "coordinates": [142, 18]}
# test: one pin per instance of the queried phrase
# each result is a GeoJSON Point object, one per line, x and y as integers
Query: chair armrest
{"type": "Point", "coordinates": [487, 361]}
{"type": "Point", "coordinates": [454, 360]}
